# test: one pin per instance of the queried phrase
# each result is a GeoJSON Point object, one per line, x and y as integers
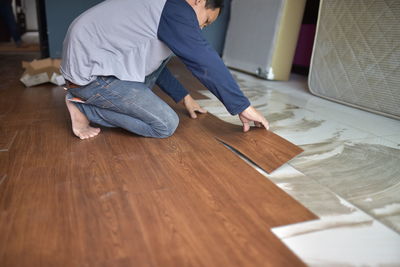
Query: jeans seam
{"type": "Point", "coordinates": [151, 115]}
{"type": "Point", "coordinates": [108, 101]}
{"type": "Point", "coordinates": [77, 90]}
{"type": "Point", "coordinates": [136, 106]}
{"type": "Point", "coordinates": [107, 83]}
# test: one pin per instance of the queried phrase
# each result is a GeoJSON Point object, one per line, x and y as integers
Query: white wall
{"type": "Point", "coordinates": [29, 7]}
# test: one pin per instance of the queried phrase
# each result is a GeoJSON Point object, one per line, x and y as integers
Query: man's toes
{"type": "Point", "coordinates": [87, 132]}
{"type": "Point", "coordinates": [94, 132]}
{"type": "Point", "coordinates": [83, 135]}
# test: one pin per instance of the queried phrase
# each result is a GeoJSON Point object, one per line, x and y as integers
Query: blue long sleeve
{"type": "Point", "coordinates": [180, 31]}
{"type": "Point", "coordinates": [170, 85]}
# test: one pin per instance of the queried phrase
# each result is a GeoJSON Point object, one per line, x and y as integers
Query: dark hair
{"type": "Point", "coordinates": [213, 4]}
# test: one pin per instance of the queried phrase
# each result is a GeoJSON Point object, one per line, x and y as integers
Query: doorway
{"type": "Point", "coordinates": [19, 26]}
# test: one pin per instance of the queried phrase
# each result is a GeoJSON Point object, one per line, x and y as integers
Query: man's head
{"type": "Point", "coordinates": [206, 11]}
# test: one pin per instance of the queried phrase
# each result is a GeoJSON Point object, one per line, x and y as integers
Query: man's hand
{"type": "Point", "coordinates": [192, 107]}
{"type": "Point", "coordinates": [251, 114]}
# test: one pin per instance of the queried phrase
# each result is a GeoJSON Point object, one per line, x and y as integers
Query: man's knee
{"type": "Point", "coordinates": [168, 125]}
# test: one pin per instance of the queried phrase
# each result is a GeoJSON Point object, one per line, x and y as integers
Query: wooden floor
{"type": "Point", "coordinates": [123, 200]}
{"type": "Point", "coordinates": [11, 48]}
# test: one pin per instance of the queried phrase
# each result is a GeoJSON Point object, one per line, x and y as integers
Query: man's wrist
{"type": "Point", "coordinates": [240, 109]}
{"type": "Point", "coordinates": [182, 98]}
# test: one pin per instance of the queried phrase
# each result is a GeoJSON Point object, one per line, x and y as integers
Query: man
{"type": "Point", "coordinates": [115, 52]}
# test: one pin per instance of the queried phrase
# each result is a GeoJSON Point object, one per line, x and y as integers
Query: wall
{"type": "Point", "coordinates": [216, 32]}
{"type": "Point", "coordinates": [29, 7]}
{"type": "Point", "coordinates": [59, 15]}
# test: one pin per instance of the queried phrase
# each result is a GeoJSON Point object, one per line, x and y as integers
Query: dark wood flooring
{"type": "Point", "coordinates": [9, 47]}
{"type": "Point", "coordinates": [123, 200]}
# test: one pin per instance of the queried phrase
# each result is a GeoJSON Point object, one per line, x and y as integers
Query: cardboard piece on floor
{"type": "Point", "coordinates": [42, 71]}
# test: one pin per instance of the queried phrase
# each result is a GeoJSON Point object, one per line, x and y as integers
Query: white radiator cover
{"type": "Point", "coordinates": [356, 55]}
{"type": "Point", "coordinates": [262, 36]}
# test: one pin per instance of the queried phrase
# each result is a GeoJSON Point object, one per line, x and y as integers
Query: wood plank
{"type": "Point", "coordinates": [264, 148]}
{"type": "Point", "coordinates": [11, 48]}
{"type": "Point", "coordinates": [3, 166]}
{"type": "Point", "coordinates": [7, 137]}
{"type": "Point", "coordinates": [96, 215]}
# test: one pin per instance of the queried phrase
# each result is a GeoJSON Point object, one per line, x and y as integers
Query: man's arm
{"type": "Point", "coordinates": [171, 86]}
{"type": "Point", "coordinates": [180, 31]}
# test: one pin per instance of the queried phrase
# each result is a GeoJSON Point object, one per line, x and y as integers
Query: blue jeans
{"type": "Point", "coordinates": [111, 102]}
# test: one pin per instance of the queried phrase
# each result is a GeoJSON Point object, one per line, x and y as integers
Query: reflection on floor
{"type": "Point", "coordinates": [30, 44]}
{"type": "Point", "coordinates": [349, 174]}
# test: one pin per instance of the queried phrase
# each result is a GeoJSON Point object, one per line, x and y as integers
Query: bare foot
{"type": "Point", "coordinates": [80, 124]}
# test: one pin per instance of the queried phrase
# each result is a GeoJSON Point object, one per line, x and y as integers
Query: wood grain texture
{"type": "Point", "coordinates": [266, 149]}
{"type": "Point", "coordinates": [4, 161]}
{"type": "Point", "coordinates": [124, 200]}
{"type": "Point", "coordinates": [11, 48]}
{"type": "Point", "coordinates": [7, 137]}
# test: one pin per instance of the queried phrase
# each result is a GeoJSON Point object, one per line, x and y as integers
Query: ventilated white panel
{"type": "Point", "coordinates": [251, 35]}
{"type": "Point", "coordinates": [262, 36]}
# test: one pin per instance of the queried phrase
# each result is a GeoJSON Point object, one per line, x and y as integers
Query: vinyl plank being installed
{"type": "Point", "coordinates": [264, 148]}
